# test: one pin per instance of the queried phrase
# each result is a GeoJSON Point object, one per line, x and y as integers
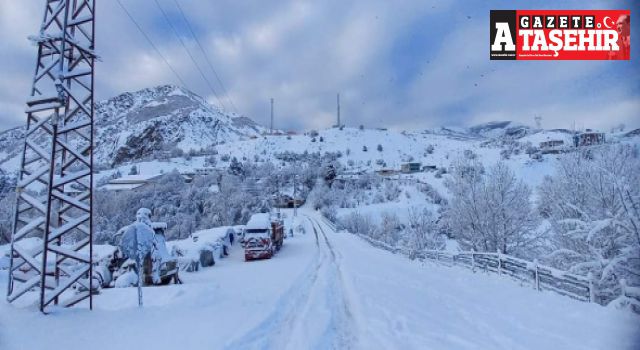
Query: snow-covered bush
{"type": "Point", "coordinates": [431, 193]}
{"type": "Point", "coordinates": [330, 212]}
{"type": "Point", "coordinates": [391, 191]}
{"type": "Point", "coordinates": [391, 228]}
{"type": "Point", "coordinates": [423, 230]}
{"type": "Point", "coordinates": [357, 223]}
{"type": "Point", "coordinates": [210, 161]}
{"type": "Point", "coordinates": [469, 154]}
{"type": "Point", "coordinates": [430, 148]}
{"type": "Point", "coordinates": [6, 216]}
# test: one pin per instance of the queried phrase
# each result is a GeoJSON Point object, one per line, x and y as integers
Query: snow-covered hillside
{"type": "Point", "coordinates": [368, 150]}
{"type": "Point", "coordinates": [141, 124]}
{"type": "Point", "coordinates": [164, 122]}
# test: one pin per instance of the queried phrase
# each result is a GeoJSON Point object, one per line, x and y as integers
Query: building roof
{"type": "Point", "coordinates": [259, 221]}
{"type": "Point", "coordinates": [122, 187]}
{"type": "Point", "coordinates": [134, 179]}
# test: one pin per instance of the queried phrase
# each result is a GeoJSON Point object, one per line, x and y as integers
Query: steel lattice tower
{"type": "Point", "coordinates": [54, 191]}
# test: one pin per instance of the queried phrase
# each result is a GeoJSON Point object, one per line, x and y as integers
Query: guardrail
{"type": "Point", "coordinates": [540, 277]}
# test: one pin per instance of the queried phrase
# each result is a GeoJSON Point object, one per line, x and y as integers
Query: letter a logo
{"type": "Point", "coordinates": [503, 36]}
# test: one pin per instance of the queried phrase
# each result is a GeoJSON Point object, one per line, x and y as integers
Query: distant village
{"type": "Point", "coordinates": [135, 181]}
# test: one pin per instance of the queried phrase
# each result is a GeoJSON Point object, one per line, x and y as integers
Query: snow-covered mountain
{"type": "Point", "coordinates": [154, 123]}
{"type": "Point", "coordinates": [132, 126]}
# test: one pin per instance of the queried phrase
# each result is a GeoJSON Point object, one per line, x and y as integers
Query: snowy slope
{"type": "Point", "coordinates": [330, 290]}
{"type": "Point", "coordinates": [134, 125]}
{"type": "Point", "coordinates": [147, 125]}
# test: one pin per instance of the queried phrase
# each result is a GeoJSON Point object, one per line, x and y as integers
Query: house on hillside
{"type": "Point", "coordinates": [130, 182]}
{"type": "Point", "coordinates": [551, 146]}
{"type": "Point", "coordinates": [588, 138]}
{"type": "Point", "coordinates": [206, 171]}
{"type": "Point", "coordinates": [411, 167]}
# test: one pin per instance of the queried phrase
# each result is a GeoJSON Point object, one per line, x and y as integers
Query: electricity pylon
{"type": "Point", "coordinates": [54, 191]}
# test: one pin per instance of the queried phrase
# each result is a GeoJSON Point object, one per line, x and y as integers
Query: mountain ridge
{"type": "Point", "coordinates": [134, 125]}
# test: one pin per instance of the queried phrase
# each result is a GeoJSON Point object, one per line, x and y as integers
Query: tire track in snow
{"type": "Point", "coordinates": [313, 313]}
{"type": "Point", "coordinates": [342, 316]}
{"type": "Point", "coordinates": [275, 327]}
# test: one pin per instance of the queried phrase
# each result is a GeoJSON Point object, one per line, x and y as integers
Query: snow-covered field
{"type": "Point", "coordinates": [324, 290]}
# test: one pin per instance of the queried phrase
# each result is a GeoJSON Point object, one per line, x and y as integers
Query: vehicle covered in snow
{"type": "Point", "coordinates": [224, 235]}
{"type": "Point", "coordinates": [262, 236]}
{"type": "Point", "coordinates": [158, 266]}
{"type": "Point", "coordinates": [204, 247]}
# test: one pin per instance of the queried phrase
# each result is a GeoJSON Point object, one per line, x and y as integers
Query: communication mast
{"type": "Point", "coordinates": [271, 125]}
{"type": "Point", "coordinates": [338, 103]}
{"type": "Point", "coordinates": [54, 190]}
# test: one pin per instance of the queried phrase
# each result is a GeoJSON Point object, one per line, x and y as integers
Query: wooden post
{"type": "Point", "coordinates": [499, 263]}
{"type": "Point", "coordinates": [271, 125]}
{"type": "Point", "coordinates": [473, 262]}
{"type": "Point", "coordinates": [536, 283]}
{"type": "Point", "coordinates": [592, 293]}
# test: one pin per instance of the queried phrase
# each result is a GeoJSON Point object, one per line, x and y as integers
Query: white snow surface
{"type": "Point", "coordinates": [259, 221]}
{"type": "Point", "coordinates": [330, 290]}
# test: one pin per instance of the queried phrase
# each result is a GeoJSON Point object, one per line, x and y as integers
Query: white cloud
{"type": "Point", "coordinates": [303, 52]}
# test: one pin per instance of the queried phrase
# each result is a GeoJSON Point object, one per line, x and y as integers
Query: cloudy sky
{"type": "Point", "coordinates": [399, 64]}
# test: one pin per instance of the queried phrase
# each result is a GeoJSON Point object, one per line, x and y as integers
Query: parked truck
{"type": "Point", "coordinates": [263, 236]}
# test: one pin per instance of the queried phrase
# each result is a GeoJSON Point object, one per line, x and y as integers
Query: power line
{"type": "Point", "coordinates": [166, 17]}
{"type": "Point", "coordinates": [206, 57]}
{"type": "Point", "coordinates": [152, 44]}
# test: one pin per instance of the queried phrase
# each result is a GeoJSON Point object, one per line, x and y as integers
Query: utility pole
{"type": "Point", "coordinates": [54, 190]}
{"type": "Point", "coordinates": [271, 132]}
{"type": "Point", "coordinates": [338, 99]}
{"type": "Point", "coordinates": [295, 202]}
{"type": "Point", "coordinates": [538, 120]}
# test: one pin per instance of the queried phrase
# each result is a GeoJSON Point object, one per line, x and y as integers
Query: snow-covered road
{"type": "Point", "coordinates": [325, 290]}
{"type": "Point", "coordinates": [315, 312]}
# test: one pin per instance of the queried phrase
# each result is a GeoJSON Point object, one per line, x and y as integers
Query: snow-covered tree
{"type": "Point", "coordinates": [235, 167]}
{"type": "Point", "coordinates": [329, 174]}
{"type": "Point", "coordinates": [593, 206]}
{"type": "Point", "coordinates": [390, 228]}
{"type": "Point", "coordinates": [490, 212]}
